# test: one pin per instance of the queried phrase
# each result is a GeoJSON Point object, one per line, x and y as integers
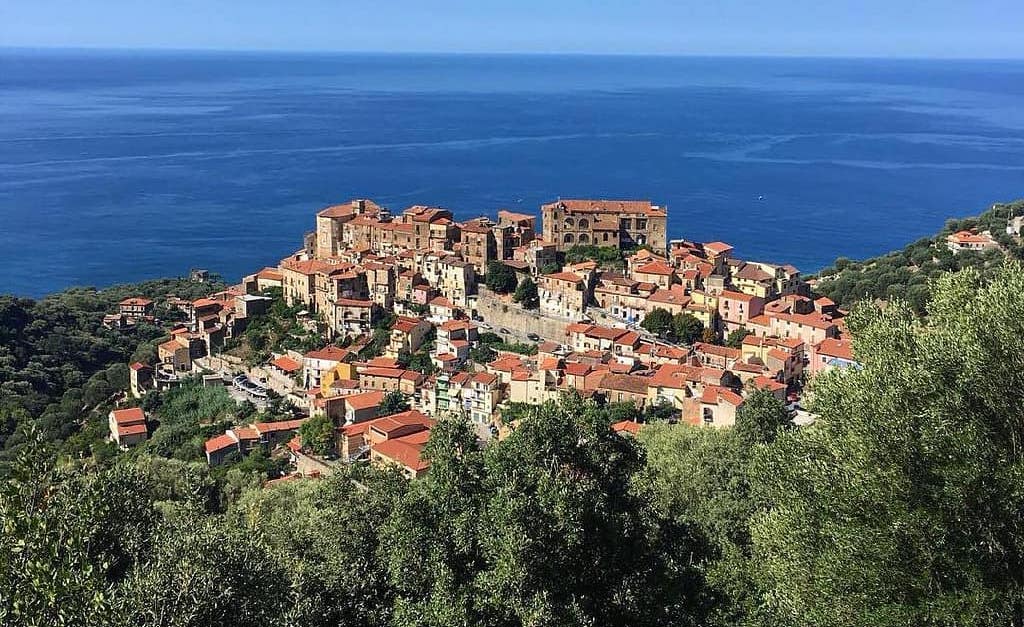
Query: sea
{"type": "Point", "coordinates": [118, 166]}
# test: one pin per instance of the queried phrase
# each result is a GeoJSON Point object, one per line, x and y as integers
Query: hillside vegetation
{"type": "Point", "coordinates": [905, 274]}
{"type": "Point", "coordinates": [58, 363]}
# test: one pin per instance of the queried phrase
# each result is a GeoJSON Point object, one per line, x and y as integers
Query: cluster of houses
{"type": "Point", "coordinates": [363, 263]}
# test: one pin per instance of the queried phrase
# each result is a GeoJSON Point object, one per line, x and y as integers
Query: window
{"type": "Point", "coordinates": [584, 238]}
{"type": "Point", "coordinates": [568, 239]}
{"type": "Point", "coordinates": [583, 223]}
{"type": "Point", "coordinates": [709, 416]}
{"type": "Point", "coordinates": [568, 223]}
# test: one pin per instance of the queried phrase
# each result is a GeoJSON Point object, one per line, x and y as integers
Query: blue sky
{"type": "Point", "coordinates": [924, 28]}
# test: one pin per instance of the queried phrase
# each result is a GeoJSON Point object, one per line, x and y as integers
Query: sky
{"type": "Point", "coordinates": [886, 28]}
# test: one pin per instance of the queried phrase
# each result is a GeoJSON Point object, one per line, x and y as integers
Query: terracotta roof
{"type": "Point", "coordinates": [137, 301]}
{"type": "Point", "coordinates": [750, 272]}
{"type": "Point", "coordinates": [131, 429]}
{"type": "Point", "coordinates": [172, 345]}
{"type": "Point", "coordinates": [364, 400]}
{"type": "Point", "coordinates": [337, 211]}
{"type": "Point", "coordinates": [405, 450]}
{"type": "Point", "coordinates": [656, 267]}
{"type": "Point", "coordinates": [564, 276]}
{"type": "Point", "coordinates": [717, 248]}
{"type": "Point", "coordinates": [673, 376]}
{"type": "Point", "coordinates": [270, 274]}
{"type": "Point", "coordinates": [842, 349]}
{"type": "Point", "coordinates": [354, 302]}
{"type": "Point", "coordinates": [609, 206]}
{"type": "Point", "coordinates": [138, 365]}
{"type": "Point", "coordinates": [577, 369]}
{"type": "Point", "coordinates": [485, 378]}
{"type": "Point", "coordinates": [769, 384]}
{"type": "Point", "coordinates": [605, 333]}
{"type": "Point", "coordinates": [274, 427]}
{"type": "Point", "coordinates": [733, 295]}
{"type": "Point", "coordinates": [405, 325]}
{"type": "Point", "coordinates": [286, 363]}
{"type": "Point", "coordinates": [219, 443]}
{"type": "Point", "coordinates": [719, 351]}
{"type": "Point", "coordinates": [245, 433]}
{"type": "Point", "coordinates": [389, 373]}
{"type": "Point", "coordinates": [129, 416]}
{"type": "Point", "coordinates": [626, 426]}
{"type": "Point", "coordinates": [631, 383]}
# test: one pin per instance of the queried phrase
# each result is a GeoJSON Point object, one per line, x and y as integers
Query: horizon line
{"type": "Point", "coordinates": [504, 53]}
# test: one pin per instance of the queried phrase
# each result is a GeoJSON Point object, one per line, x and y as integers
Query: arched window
{"type": "Point", "coordinates": [568, 223]}
{"type": "Point", "coordinates": [584, 223]}
{"type": "Point", "coordinates": [584, 238]}
{"type": "Point", "coordinates": [568, 238]}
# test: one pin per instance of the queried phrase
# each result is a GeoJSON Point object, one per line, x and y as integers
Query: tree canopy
{"type": "Point", "coordinates": [500, 277]}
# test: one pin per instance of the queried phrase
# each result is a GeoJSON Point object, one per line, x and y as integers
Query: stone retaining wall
{"type": "Point", "coordinates": [498, 313]}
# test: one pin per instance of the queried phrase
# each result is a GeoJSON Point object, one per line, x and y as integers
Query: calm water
{"type": "Point", "coordinates": [123, 166]}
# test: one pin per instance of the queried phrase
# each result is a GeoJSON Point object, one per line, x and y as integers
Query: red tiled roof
{"type": "Point", "coordinates": [405, 325]}
{"type": "Point", "coordinates": [219, 443]}
{"type": "Point", "coordinates": [282, 425]}
{"type": "Point", "coordinates": [129, 416]}
{"type": "Point", "coordinates": [564, 276]}
{"type": "Point", "coordinates": [485, 378]}
{"type": "Point", "coordinates": [577, 369]}
{"type": "Point", "coordinates": [717, 248]}
{"type": "Point", "coordinates": [610, 206]}
{"type": "Point", "coordinates": [656, 267]}
{"type": "Point", "coordinates": [631, 383]}
{"type": "Point", "coordinates": [768, 383]}
{"type": "Point", "coordinates": [137, 301]}
{"type": "Point", "coordinates": [405, 450]}
{"type": "Point", "coordinates": [732, 295]}
{"type": "Point", "coordinates": [131, 429]}
{"type": "Point", "coordinates": [388, 373]}
{"type": "Point", "coordinates": [286, 363]}
{"type": "Point", "coordinates": [842, 349]}
{"type": "Point", "coordinates": [626, 426]}
{"type": "Point", "coordinates": [364, 400]}
{"type": "Point", "coordinates": [719, 351]}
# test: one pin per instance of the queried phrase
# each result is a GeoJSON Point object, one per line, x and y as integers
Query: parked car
{"type": "Point", "coordinates": [504, 331]}
{"type": "Point", "coordinates": [533, 337]}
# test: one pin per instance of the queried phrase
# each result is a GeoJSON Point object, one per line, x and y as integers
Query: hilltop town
{"type": "Point", "coordinates": [419, 315]}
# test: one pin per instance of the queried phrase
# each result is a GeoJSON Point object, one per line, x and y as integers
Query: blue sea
{"type": "Point", "coordinates": [120, 166]}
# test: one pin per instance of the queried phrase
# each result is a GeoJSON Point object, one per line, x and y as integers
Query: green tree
{"type": "Point", "coordinates": [735, 338]}
{"type": "Point", "coordinates": [658, 321]}
{"type": "Point", "coordinates": [903, 502]}
{"type": "Point", "coordinates": [687, 328]}
{"type": "Point", "coordinates": [526, 294]}
{"type": "Point", "coordinates": [394, 402]}
{"type": "Point", "coordinates": [483, 354]}
{"type": "Point", "coordinates": [317, 434]}
{"type": "Point", "coordinates": [760, 418]}
{"type": "Point", "coordinates": [421, 362]}
{"type": "Point", "coordinates": [500, 277]}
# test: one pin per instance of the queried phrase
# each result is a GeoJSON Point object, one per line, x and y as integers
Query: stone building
{"type": "Point", "coordinates": [618, 223]}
